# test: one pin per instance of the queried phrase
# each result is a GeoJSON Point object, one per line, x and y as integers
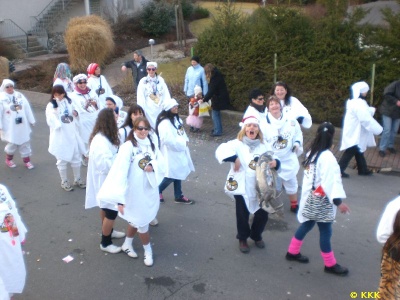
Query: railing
{"type": "Point", "coordinates": [11, 31]}
{"type": "Point", "coordinates": [40, 31]}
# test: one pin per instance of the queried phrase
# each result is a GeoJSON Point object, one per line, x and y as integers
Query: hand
{"type": "Point", "coordinates": [75, 113]}
{"type": "Point", "coordinates": [237, 165]}
{"type": "Point", "coordinates": [344, 209]}
{"type": "Point", "coordinates": [200, 101]}
{"type": "Point", "coordinates": [148, 168]}
{"type": "Point", "coordinates": [121, 208]}
{"type": "Point", "coordinates": [123, 68]}
{"type": "Point", "coordinates": [272, 164]}
{"type": "Point", "coordinates": [398, 103]}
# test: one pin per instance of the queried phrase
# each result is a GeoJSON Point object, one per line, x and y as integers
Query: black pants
{"type": "Point", "coordinates": [242, 221]}
{"type": "Point", "coordinates": [359, 156]}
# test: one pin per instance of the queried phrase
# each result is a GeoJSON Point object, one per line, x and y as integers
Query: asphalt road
{"type": "Point", "coordinates": [196, 255]}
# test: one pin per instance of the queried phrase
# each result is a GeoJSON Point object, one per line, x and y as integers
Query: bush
{"type": "Point", "coordinates": [4, 68]}
{"type": "Point", "coordinates": [88, 39]}
{"type": "Point", "coordinates": [200, 13]}
{"type": "Point", "coordinates": [157, 18]}
{"type": "Point", "coordinates": [187, 9]}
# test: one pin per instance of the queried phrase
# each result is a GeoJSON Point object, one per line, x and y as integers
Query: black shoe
{"type": "Point", "coordinates": [294, 209]}
{"type": "Point", "coordinates": [366, 173]}
{"type": "Point", "coordinates": [392, 150]}
{"type": "Point", "coordinates": [243, 247]}
{"type": "Point", "coordinates": [191, 128]}
{"type": "Point", "coordinates": [196, 129]}
{"type": "Point", "coordinates": [297, 257]}
{"type": "Point", "coordinates": [382, 153]}
{"type": "Point", "coordinates": [260, 244]}
{"type": "Point", "coordinates": [345, 175]}
{"type": "Point", "coordinates": [183, 200]}
{"type": "Point", "coordinates": [337, 270]}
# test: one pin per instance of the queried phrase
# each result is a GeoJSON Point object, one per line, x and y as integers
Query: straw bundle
{"type": "Point", "coordinates": [4, 68]}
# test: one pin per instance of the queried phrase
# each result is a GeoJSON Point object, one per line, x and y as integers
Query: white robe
{"type": "Point", "coordinates": [102, 154]}
{"type": "Point", "coordinates": [145, 91]}
{"type": "Point", "coordinates": [87, 117]}
{"type": "Point", "coordinates": [12, 265]}
{"type": "Point", "coordinates": [359, 126]}
{"type": "Point", "coordinates": [246, 157]}
{"type": "Point", "coordinates": [64, 138]}
{"type": "Point", "coordinates": [289, 130]}
{"type": "Point", "coordinates": [385, 226]}
{"type": "Point", "coordinates": [127, 183]}
{"type": "Point", "coordinates": [173, 142]}
{"type": "Point", "coordinates": [12, 132]}
{"type": "Point", "coordinates": [67, 83]}
{"type": "Point", "coordinates": [296, 109]}
{"type": "Point", "coordinates": [327, 176]}
{"type": "Point", "coordinates": [93, 83]}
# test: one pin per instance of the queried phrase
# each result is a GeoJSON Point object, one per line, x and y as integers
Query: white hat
{"type": "Point", "coordinates": [5, 83]}
{"type": "Point", "coordinates": [197, 90]}
{"type": "Point", "coordinates": [249, 120]}
{"type": "Point", "coordinates": [79, 77]}
{"type": "Point", "coordinates": [170, 104]}
{"type": "Point", "coordinates": [359, 88]}
{"type": "Point", "coordinates": [151, 63]}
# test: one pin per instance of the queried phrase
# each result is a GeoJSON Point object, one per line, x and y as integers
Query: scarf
{"type": "Point", "coordinates": [83, 92]}
{"type": "Point", "coordinates": [276, 123]}
{"type": "Point", "coordinates": [260, 108]}
{"type": "Point", "coordinates": [253, 144]}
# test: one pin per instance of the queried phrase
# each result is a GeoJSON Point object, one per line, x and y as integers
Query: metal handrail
{"type": "Point", "coordinates": [40, 31]}
{"type": "Point", "coordinates": [11, 31]}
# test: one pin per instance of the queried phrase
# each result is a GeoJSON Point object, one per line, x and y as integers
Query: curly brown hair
{"type": "Point", "coordinates": [106, 125]}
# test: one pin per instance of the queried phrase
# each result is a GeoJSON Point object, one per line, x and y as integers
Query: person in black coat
{"type": "Point", "coordinates": [218, 93]}
{"type": "Point", "coordinates": [137, 65]}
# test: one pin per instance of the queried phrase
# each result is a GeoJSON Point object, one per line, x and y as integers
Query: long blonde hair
{"type": "Point", "coordinates": [242, 133]}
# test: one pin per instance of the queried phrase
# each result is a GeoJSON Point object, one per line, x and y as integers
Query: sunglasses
{"type": "Point", "coordinates": [151, 69]}
{"type": "Point", "coordinates": [9, 86]}
{"type": "Point", "coordinates": [141, 128]}
{"type": "Point", "coordinates": [260, 98]}
{"type": "Point", "coordinates": [81, 82]}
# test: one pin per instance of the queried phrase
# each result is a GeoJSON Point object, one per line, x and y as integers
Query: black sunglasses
{"type": "Point", "coordinates": [151, 69]}
{"type": "Point", "coordinates": [141, 128]}
{"type": "Point", "coordinates": [80, 82]}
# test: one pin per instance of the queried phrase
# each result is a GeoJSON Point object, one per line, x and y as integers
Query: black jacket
{"type": "Point", "coordinates": [137, 72]}
{"type": "Point", "coordinates": [391, 95]}
{"type": "Point", "coordinates": [218, 92]}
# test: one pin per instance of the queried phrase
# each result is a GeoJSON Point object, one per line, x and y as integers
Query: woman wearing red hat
{"type": "Point", "coordinates": [98, 83]}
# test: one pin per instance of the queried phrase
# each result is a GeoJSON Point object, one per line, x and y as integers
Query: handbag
{"type": "Point", "coordinates": [235, 183]}
{"type": "Point", "coordinates": [318, 207]}
{"type": "Point", "coordinates": [204, 109]}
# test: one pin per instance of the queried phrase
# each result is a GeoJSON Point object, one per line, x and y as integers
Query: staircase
{"type": "Point", "coordinates": [95, 7]}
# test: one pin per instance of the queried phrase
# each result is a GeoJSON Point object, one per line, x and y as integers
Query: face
{"type": "Point", "coordinates": [136, 57]}
{"type": "Point", "coordinates": [82, 84]}
{"type": "Point", "coordinates": [97, 71]}
{"type": "Point", "coordinates": [280, 92]}
{"type": "Point", "coordinates": [151, 70]}
{"type": "Point", "coordinates": [274, 108]}
{"type": "Point", "coordinates": [110, 104]}
{"type": "Point", "coordinates": [194, 63]}
{"type": "Point", "coordinates": [142, 131]}
{"type": "Point", "coordinates": [58, 96]}
{"type": "Point", "coordinates": [9, 88]}
{"type": "Point", "coordinates": [136, 115]}
{"type": "Point", "coordinates": [174, 110]}
{"type": "Point", "coordinates": [251, 131]}
{"type": "Point", "coordinates": [259, 100]}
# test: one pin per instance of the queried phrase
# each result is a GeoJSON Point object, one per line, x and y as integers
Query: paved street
{"type": "Point", "coordinates": [196, 255]}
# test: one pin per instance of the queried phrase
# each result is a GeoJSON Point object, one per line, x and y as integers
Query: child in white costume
{"type": "Point", "coordinates": [65, 142]}
{"type": "Point", "coordinates": [12, 234]}
{"type": "Point", "coordinates": [152, 93]}
{"type": "Point", "coordinates": [132, 184]}
{"type": "Point", "coordinates": [16, 119]}
{"type": "Point", "coordinates": [98, 83]}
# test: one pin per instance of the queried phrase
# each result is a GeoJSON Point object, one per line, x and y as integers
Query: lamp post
{"type": "Point", "coordinates": [151, 43]}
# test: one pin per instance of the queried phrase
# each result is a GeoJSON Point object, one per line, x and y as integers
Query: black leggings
{"type": "Point", "coordinates": [110, 214]}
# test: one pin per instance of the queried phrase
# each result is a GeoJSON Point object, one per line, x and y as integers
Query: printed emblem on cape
{"type": "Point", "coordinates": [231, 184]}
{"type": "Point", "coordinates": [253, 162]}
{"type": "Point", "coordinates": [280, 143]}
{"type": "Point", "coordinates": [9, 225]}
{"type": "Point", "coordinates": [16, 107]}
{"type": "Point", "coordinates": [144, 161]}
{"type": "Point", "coordinates": [66, 119]}
{"type": "Point", "coordinates": [181, 130]}
{"type": "Point", "coordinates": [155, 98]}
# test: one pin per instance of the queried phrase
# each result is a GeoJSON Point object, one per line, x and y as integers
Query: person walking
{"type": "Point", "coordinates": [195, 75]}
{"type": "Point", "coordinates": [390, 110]}
{"type": "Point", "coordinates": [16, 119]}
{"type": "Point", "coordinates": [359, 128]}
{"type": "Point", "coordinates": [63, 76]}
{"type": "Point", "coordinates": [219, 96]}
{"type": "Point", "coordinates": [98, 83]}
{"type": "Point", "coordinates": [174, 147]}
{"type": "Point", "coordinates": [137, 65]}
{"type": "Point", "coordinates": [322, 173]}
{"type": "Point", "coordinates": [242, 153]}
{"type": "Point", "coordinates": [65, 142]}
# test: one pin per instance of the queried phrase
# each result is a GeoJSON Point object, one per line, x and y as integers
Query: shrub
{"type": "Point", "coordinates": [4, 68]}
{"type": "Point", "coordinates": [157, 18]}
{"type": "Point", "coordinates": [88, 39]}
{"type": "Point", "coordinates": [200, 13]}
{"type": "Point", "coordinates": [187, 9]}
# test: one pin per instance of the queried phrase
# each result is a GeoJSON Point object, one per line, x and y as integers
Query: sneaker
{"type": "Point", "coordinates": [243, 246]}
{"type": "Point", "coordinates": [110, 248]}
{"type": "Point", "coordinates": [129, 250]}
{"type": "Point", "coordinates": [182, 199]}
{"type": "Point", "coordinates": [66, 186]}
{"type": "Point", "coordinates": [345, 175]}
{"type": "Point", "coordinates": [29, 165]}
{"type": "Point", "coordinates": [382, 153]}
{"type": "Point", "coordinates": [337, 270]}
{"type": "Point", "coordinates": [260, 244]}
{"type": "Point", "coordinates": [161, 198]}
{"type": "Point", "coordinates": [154, 222]}
{"type": "Point", "coordinates": [148, 259]}
{"type": "Point", "coordinates": [117, 234]}
{"type": "Point", "coordinates": [297, 257]}
{"type": "Point", "coordinates": [294, 208]}
{"type": "Point", "coordinates": [392, 150]}
{"type": "Point", "coordinates": [80, 183]}
{"type": "Point", "coordinates": [10, 163]}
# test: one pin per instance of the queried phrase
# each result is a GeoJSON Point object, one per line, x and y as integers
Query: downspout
{"type": "Point", "coordinates": [87, 7]}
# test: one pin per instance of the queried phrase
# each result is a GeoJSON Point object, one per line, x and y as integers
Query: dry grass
{"type": "Point", "coordinates": [88, 39]}
{"type": "Point", "coordinates": [4, 69]}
